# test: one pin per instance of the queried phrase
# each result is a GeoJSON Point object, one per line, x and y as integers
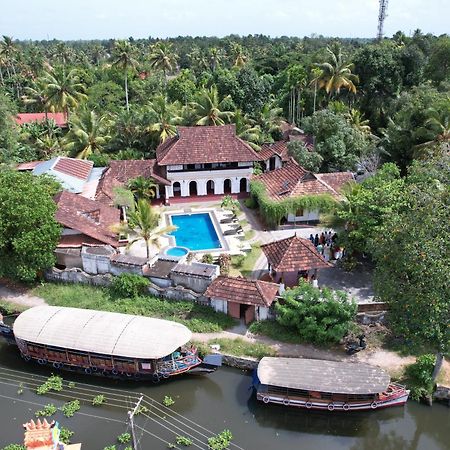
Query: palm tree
{"type": "Point", "coordinates": [239, 57]}
{"type": "Point", "coordinates": [63, 90]}
{"type": "Point", "coordinates": [37, 95]}
{"type": "Point", "coordinates": [197, 59]}
{"type": "Point", "coordinates": [143, 188]}
{"type": "Point", "coordinates": [356, 119]}
{"type": "Point", "coordinates": [248, 130]}
{"type": "Point", "coordinates": [215, 56]}
{"type": "Point", "coordinates": [436, 131]}
{"type": "Point", "coordinates": [123, 58]}
{"type": "Point", "coordinates": [163, 58]}
{"type": "Point", "coordinates": [88, 134]}
{"type": "Point", "coordinates": [208, 108]}
{"type": "Point", "coordinates": [270, 118]}
{"type": "Point", "coordinates": [167, 117]}
{"type": "Point", "coordinates": [338, 74]}
{"type": "Point", "coordinates": [143, 222]}
{"type": "Point", "coordinates": [317, 75]}
{"type": "Point", "coordinates": [8, 51]}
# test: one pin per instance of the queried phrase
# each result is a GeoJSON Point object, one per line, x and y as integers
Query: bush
{"type": "Point", "coordinates": [319, 316]}
{"type": "Point", "coordinates": [224, 263]}
{"type": "Point", "coordinates": [129, 285]}
{"type": "Point", "coordinates": [251, 203]}
{"type": "Point", "coordinates": [207, 258]}
{"type": "Point", "coordinates": [419, 376]}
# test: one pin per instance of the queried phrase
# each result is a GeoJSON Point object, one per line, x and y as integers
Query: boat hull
{"type": "Point", "coordinates": [397, 400]}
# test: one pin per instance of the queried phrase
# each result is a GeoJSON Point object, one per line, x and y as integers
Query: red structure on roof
{"type": "Point", "coordinates": [118, 173]}
{"type": "Point", "coordinates": [78, 168]}
{"type": "Point", "coordinates": [90, 218]}
{"type": "Point", "coordinates": [59, 118]}
{"type": "Point", "coordinates": [205, 144]}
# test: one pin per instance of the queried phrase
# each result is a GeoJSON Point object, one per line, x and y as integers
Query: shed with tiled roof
{"type": "Point", "coordinates": [59, 118]}
{"type": "Point", "coordinates": [242, 298]}
{"type": "Point", "coordinates": [292, 257]}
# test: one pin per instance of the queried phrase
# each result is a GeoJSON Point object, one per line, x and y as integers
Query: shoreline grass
{"type": "Point", "coordinates": [240, 347]}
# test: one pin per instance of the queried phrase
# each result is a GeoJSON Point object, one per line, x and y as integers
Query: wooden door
{"type": "Point", "coordinates": [249, 314]}
{"type": "Point", "coordinates": [234, 310]}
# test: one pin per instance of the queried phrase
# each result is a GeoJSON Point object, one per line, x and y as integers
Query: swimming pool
{"type": "Point", "coordinates": [176, 251]}
{"type": "Point", "coordinates": [195, 231]}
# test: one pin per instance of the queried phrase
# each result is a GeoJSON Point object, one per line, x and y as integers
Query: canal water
{"type": "Point", "coordinates": [209, 404]}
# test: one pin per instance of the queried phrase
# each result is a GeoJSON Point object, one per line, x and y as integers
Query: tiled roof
{"type": "Point", "coordinates": [87, 216]}
{"type": "Point", "coordinates": [291, 132]}
{"type": "Point", "coordinates": [243, 290]}
{"type": "Point", "coordinates": [205, 144]}
{"type": "Point", "coordinates": [279, 148]}
{"type": "Point", "coordinates": [292, 180]}
{"type": "Point", "coordinates": [119, 173]}
{"type": "Point", "coordinates": [293, 254]}
{"type": "Point", "coordinates": [27, 165]}
{"type": "Point", "coordinates": [59, 118]}
{"type": "Point", "coordinates": [72, 173]}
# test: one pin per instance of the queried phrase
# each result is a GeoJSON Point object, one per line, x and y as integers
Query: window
{"type": "Point", "coordinates": [299, 213]}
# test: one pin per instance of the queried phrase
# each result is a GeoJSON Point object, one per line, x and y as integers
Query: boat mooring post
{"type": "Point", "coordinates": [131, 420]}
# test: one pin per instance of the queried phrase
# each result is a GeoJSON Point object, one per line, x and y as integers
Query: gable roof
{"type": "Point", "coordinates": [276, 148]}
{"type": "Point", "coordinates": [70, 172]}
{"type": "Point", "coordinates": [59, 118]}
{"type": "Point", "coordinates": [292, 180]}
{"type": "Point", "coordinates": [243, 290]}
{"type": "Point", "coordinates": [87, 216]}
{"type": "Point", "coordinates": [293, 254]}
{"type": "Point", "coordinates": [205, 144]}
{"type": "Point", "coordinates": [119, 173]}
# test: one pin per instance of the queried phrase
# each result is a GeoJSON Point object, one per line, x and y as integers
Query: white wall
{"type": "Point", "coordinates": [262, 313]}
{"type": "Point", "coordinates": [307, 216]}
{"type": "Point", "coordinates": [219, 305]}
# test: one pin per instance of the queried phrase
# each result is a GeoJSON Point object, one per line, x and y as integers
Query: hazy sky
{"type": "Point", "coordinates": [88, 19]}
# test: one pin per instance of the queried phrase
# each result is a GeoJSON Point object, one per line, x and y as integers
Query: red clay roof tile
{"type": "Point", "coordinates": [205, 144]}
{"type": "Point", "coordinates": [243, 290]}
{"type": "Point", "coordinates": [59, 118]}
{"type": "Point", "coordinates": [78, 168]}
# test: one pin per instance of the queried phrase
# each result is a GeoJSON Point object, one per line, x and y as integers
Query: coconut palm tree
{"type": "Point", "coordinates": [270, 118]}
{"type": "Point", "coordinates": [317, 75]}
{"type": "Point", "coordinates": [143, 188]}
{"type": "Point", "coordinates": [197, 59]}
{"type": "Point", "coordinates": [37, 94]}
{"type": "Point", "coordinates": [88, 134]}
{"type": "Point", "coordinates": [143, 222]}
{"type": "Point", "coordinates": [337, 74]}
{"type": "Point", "coordinates": [239, 57]}
{"type": "Point", "coordinates": [123, 58]}
{"type": "Point", "coordinates": [215, 56]}
{"type": "Point", "coordinates": [8, 51]}
{"type": "Point", "coordinates": [436, 132]}
{"type": "Point", "coordinates": [167, 117]}
{"type": "Point", "coordinates": [162, 57]}
{"type": "Point", "coordinates": [356, 119]}
{"type": "Point", "coordinates": [248, 130]}
{"type": "Point", "coordinates": [63, 90]}
{"type": "Point", "coordinates": [208, 108]}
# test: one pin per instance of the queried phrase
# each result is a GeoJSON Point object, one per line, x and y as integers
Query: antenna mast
{"type": "Point", "coordinates": [381, 16]}
{"type": "Point", "coordinates": [131, 422]}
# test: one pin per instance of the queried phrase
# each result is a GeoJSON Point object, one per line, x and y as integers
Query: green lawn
{"type": "Point", "coordinates": [8, 308]}
{"type": "Point", "coordinates": [273, 330]}
{"type": "Point", "coordinates": [239, 347]}
{"type": "Point", "coordinates": [198, 318]}
{"type": "Point", "coordinates": [244, 266]}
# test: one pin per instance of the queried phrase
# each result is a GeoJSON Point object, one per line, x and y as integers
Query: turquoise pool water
{"type": "Point", "coordinates": [195, 231]}
{"type": "Point", "coordinates": [177, 251]}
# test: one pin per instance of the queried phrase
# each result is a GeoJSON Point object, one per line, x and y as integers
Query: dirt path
{"type": "Point", "coordinates": [19, 297]}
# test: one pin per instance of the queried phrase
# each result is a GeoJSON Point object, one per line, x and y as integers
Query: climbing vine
{"type": "Point", "coordinates": [273, 211]}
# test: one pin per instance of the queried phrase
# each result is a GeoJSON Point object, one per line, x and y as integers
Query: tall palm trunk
{"type": "Point", "coordinates": [1, 77]}
{"type": "Point", "coordinates": [126, 90]}
{"type": "Point", "coordinates": [315, 95]}
{"type": "Point", "coordinates": [147, 246]}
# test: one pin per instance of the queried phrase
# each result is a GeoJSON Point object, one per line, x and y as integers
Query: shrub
{"type": "Point", "coordinates": [224, 263]}
{"type": "Point", "coordinates": [419, 376]}
{"type": "Point", "coordinates": [207, 258]}
{"type": "Point", "coordinates": [320, 316]}
{"type": "Point", "coordinates": [251, 203]}
{"type": "Point", "coordinates": [129, 285]}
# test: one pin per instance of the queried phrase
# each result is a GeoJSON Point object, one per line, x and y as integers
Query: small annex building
{"type": "Point", "coordinates": [292, 180]}
{"type": "Point", "coordinates": [59, 118]}
{"type": "Point", "coordinates": [242, 298]}
{"type": "Point", "coordinates": [291, 258]}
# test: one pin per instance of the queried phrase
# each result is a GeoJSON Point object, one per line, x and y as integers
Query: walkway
{"type": "Point", "coordinates": [17, 297]}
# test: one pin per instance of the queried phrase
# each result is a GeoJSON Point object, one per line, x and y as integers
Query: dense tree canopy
{"type": "Point", "coordinates": [28, 230]}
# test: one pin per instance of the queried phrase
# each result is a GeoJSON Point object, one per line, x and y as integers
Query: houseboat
{"type": "Point", "coordinates": [106, 343]}
{"type": "Point", "coordinates": [326, 385]}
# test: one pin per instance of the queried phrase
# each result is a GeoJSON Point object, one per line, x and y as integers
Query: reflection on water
{"type": "Point", "coordinates": [225, 400]}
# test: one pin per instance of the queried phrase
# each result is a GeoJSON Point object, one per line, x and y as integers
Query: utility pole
{"type": "Point", "coordinates": [381, 16]}
{"type": "Point", "coordinates": [131, 421]}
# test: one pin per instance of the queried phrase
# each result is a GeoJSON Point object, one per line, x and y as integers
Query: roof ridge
{"type": "Point", "coordinates": [319, 179]}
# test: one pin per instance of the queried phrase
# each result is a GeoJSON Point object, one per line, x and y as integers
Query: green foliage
{"type": "Point", "coordinates": [412, 263]}
{"type": "Point", "coordinates": [367, 206]}
{"type": "Point", "coordinates": [65, 435]}
{"type": "Point", "coordinates": [207, 258]}
{"type": "Point", "coordinates": [70, 408]}
{"type": "Point", "coordinates": [98, 400]}
{"type": "Point", "coordinates": [168, 401]}
{"type": "Point", "coordinates": [124, 438]}
{"type": "Point", "coordinates": [338, 142]}
{"type": "Point", "coordinates": [311, 161]}
{"type": "Point", "coordinates": [47, 411]}
{"type": "Point", "coordinates": [224, 263]}
{"type": "Point", "coordinates": [8, 131]}
{"type": "Point", "coordinates": [184, 441]}
{"type": "Point", "coordinates": [7, 308]}
{"type": "Point", "coordinates": [273, 211]}
{"type": "Point", "coordinates": [319, 316]}
{"type": "Point", "coordinates": [141, 410]}
{"type": "Point", "coordinates": [244, 266]}
{"type": "Point", "coordinates": [419, 376]}
{"type": "Point", "coordinates": [110, 447]}
{"type": "Point", "coordinates": [53, 383]}
{"type": "Point", "coordinates": [275, 331]}
{"type": "Point", "coordinates": [28, 230]}
{"type": "Point", "coordinates": [239, 347]}
{"type": "Point", "coordinates": [251, 203]}
{"type": "Point", "coordinates": [129, 285]}
{"type": "Point", "coordinates": [221, 441]}
{"type": "Point", "coordinates": [199, 318]}
{"type": "Point", "coordinates": [14, 447]}
{"type": "Point", "coordinates": [228, 202]}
